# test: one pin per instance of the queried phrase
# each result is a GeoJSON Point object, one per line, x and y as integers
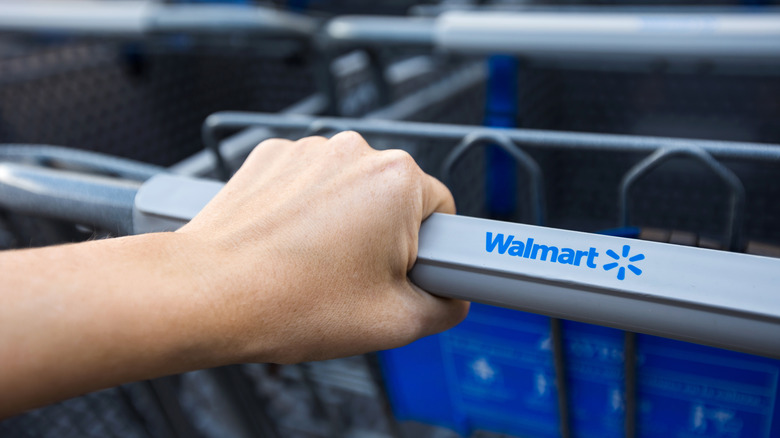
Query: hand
{"type": "Point", "coordinates": [302, 256]}
{"type": "Point", "coordinates": [306, 250]}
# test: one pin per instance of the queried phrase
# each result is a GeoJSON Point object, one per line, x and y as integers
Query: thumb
{"type": "Point", "coordinates": [437, 314]}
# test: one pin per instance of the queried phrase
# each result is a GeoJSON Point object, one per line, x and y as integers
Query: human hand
{"type": "Point", "coordinates": [305, 252]}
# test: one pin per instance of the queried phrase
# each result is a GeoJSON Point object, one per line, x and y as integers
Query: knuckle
{"type": "Point", "coordinates": [401, 174]}
{"type": "Point", "coordinates": [350, 138]}
{"type": "Point", "coordinates": [263, 146]}
{"type": "Point", "coordinates": [401, 160]}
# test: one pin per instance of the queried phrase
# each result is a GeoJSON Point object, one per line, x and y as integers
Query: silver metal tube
{"type": "Point", "coordinates": [120, 17]}
{"type": "Point", "coordinates": [78, 160]}
{"type": "Point", "coordinates": [733, 229]}
{"type": "Point", "coordinates": [611, 33]}
{"type": "Point", "coordinates": [84, 199]}
{"type": "Point", "coordinates": [239, 145]}
{"type": "Point", "coordinates": [625, 34]}
{"type": "Point", "coordinates": [136, 18]}
{"type": "Point", "coordinates": [365, 30]}
{"type": "Point", "coordinates": [523, 137]}
{"type": "Point", "coordinates": [228, 18]}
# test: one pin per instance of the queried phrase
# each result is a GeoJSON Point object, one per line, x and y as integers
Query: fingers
{"type": "Point", "coordinates": [436, 197]}
{"type": "Point", "coordinates": [273, 147]}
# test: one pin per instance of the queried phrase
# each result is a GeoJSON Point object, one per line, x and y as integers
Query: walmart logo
{"type": "Point", "coordinates": [585, 258]}
{"type": "Point", "coordinates": [621, 275]}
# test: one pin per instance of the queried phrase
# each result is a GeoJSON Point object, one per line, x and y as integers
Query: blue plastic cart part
{"type": "Point", "coordinates": [494, 372]}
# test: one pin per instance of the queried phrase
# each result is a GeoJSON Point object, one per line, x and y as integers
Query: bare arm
{"type": "Point", "coordinates": [302, 256]}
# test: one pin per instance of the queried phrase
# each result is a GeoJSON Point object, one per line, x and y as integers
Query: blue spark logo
{"type": "Point", "coordinates": [621, 275]}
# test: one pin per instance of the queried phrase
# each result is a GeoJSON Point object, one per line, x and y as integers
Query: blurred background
{"type": "Point", "coordinates": [120, 90]}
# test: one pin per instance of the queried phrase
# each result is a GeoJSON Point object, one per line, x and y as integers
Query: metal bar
{"type": "Point", "coordinates": [84, 199]}
{"type": "Point", "coordinates": [630, 375]}
{"type": "Point", "coordinates": [78, 160]}
{"type": "Point", "coordinates": [136, 18]}
{"type": "Point", "coordinates": [529, 138]}
{"type": "Point", "coordinates": [434, 10]}
{"type": "Point", "coordinates": [367, 30]}
{"type": "Point", "coordinates": [561, 386]}
{"type": "Point", "coordinates": [217, 155]}
{"type": "Point", "coordinates": [651, 34]}
{"type": "Point", "coordinates": [681, 34]}
{"type": "Point", "coordinates": [678, 292]}
{"type": "Point", "coordinates": [125, 18]}
{"type": "Point", "coordinates": [456, 82]}
{"type": "Point", "coordinates": [535, 186]}
{"type": "Point", "coordinates": [212, 18]}
{"type": "Point", "coordinates": [733, 228]}
{"type": "Point", "coordinates": [323, 129]}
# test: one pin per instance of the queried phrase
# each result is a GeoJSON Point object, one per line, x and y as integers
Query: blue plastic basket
{"type": "Point", "coordinates": [495, 372]}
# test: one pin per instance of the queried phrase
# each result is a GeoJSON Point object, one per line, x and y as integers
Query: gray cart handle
{"type": "Point", "coordinates": [687, 34]}
{"type": "Point", "coordinates": [134, 18]}
{"type": "Point", "coordinates": [716, 298]}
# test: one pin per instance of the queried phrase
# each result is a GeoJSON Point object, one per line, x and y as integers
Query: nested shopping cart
{"type": "Point", "coordinates": [519, 373]}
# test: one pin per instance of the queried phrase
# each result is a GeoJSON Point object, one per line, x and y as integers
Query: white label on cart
{"type": "Point", "coordinates": [591, 258]}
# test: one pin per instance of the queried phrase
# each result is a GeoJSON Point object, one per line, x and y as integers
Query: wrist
{"type": "Point", "coordinates": [230, 307]}
{"type": "Point", "coordinates": [194, 287]}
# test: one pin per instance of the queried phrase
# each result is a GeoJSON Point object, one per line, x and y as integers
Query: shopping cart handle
{"type": "Point", "coordinates": [140, 17]}
{"type": "Point", "coordinates": [692, 34]}
{"type": "Point", "coordinates": [584, 33]}
{"type": "Point", "coordinates": [716, 298]}
{"type": "Point", "coordinates": [93, 200]}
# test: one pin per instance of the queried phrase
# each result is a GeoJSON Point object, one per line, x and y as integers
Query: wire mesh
{"type": "Point", "coordinates": [115, 412]}
{"type": "Point", "coordinates": [581, 186]}
{"type": "Point", "coordinates": [125, 100]}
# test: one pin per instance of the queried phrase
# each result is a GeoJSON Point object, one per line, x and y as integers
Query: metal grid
{"type": "Point", "coordinates": [122, 99]}
{"type": "Point", "coordinates": [109, 413]}
{"type": "Point", "coordinates": [435, 148]}
{"type": "Point", "coordinates": [581, 186]}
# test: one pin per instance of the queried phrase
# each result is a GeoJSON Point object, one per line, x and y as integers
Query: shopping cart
{"type": "Point", "coordinates": [668, 308]}
{"type": "Point", "coordinates": [580, 188]}
{"type": "Point", "coordinates": [573, 181]}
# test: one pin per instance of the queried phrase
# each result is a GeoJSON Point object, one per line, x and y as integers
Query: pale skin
{"type": "Point", "coordinates": [302, 256]}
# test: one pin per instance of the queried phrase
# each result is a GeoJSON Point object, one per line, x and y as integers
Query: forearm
{"type": "Point", "coordinates": [81, 317]}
